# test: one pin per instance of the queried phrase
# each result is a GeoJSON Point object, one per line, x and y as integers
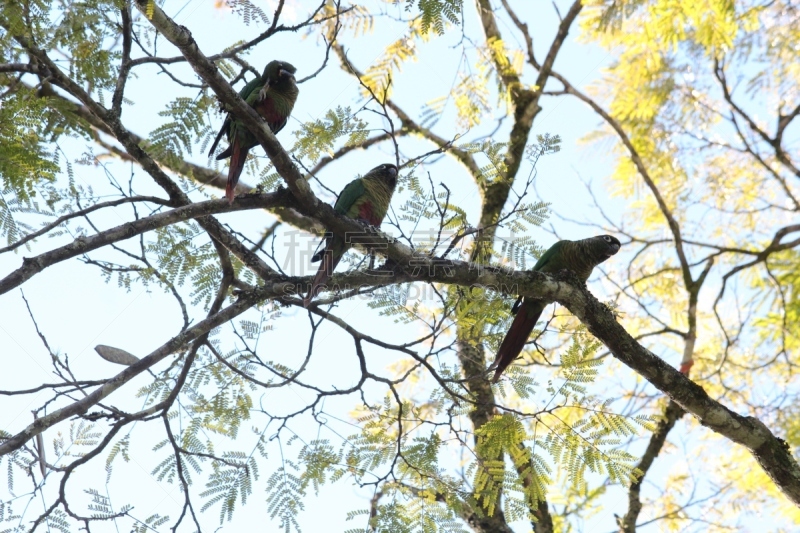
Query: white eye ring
{"type": "Point", "coordinates": [606, 238]}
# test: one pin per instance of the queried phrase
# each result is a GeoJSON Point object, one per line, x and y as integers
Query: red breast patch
{"type": "Point", "coordinates": [365, 212]}
{"type": "Point", "coordinates": [266, 108]}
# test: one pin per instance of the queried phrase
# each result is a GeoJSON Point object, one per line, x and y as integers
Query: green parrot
{"type": "Point", "coordinates": [273, 96]}
{"type": "Point", "coordinates": [579, 256]}
{"type": "Point", "coordinates": [366, 199]}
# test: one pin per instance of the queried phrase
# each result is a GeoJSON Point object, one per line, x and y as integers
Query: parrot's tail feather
{"type": "Point", "coordinates": [324, 273]}
{"type": "Point", "coordinates": [216, 142]}
{"type": "Point", "coordinates": [514, 341]}
{"type": "Point", "coordinates": [238, 157]}
{"type": "Point", "coordinates": [226, 153]}
{"type": "Point", "coordinates": [317, 257]}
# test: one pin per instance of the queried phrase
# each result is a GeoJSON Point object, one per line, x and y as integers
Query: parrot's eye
{"type": "Point", "coordinates": [606, 238]}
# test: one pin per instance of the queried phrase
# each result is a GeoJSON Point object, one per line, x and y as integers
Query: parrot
{"type": "Point", "coordinates": [579, 256]}
{"type": "Point", "coordinates": [273, 96]}
{"type": "Point", "coordinates": [366, 199]}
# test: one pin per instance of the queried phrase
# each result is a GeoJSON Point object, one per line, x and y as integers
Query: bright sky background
{"type": "Point", "coordinates": [77, 310]}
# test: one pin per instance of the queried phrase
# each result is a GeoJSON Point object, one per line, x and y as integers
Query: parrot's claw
{"type": "Point", "coordinates": [368, 228]}
{"type": "Point", "coordinates": [262, 94]}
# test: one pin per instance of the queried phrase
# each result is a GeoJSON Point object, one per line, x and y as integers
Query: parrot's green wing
{"type": "Point", "coordinates": [349, 195]}
{"type": "Point", "coordinates": [252, 87]}
{"type": "Point", "coordinates": [548, 255]}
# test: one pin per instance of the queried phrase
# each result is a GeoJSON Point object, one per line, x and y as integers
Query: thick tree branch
{"type": "Point", "coordinates": [33, 265]}
{"type": "Point", "coordinates": [525, 106]}
{"type": "Point", "coordinates": [525, 103]}
{"type": "Point", "coordinates": [79, 213]}
{"type": "Point", "coordinates": [233, 52]}
{"type": "Point", "coordinates": [125, 67]}
{"type": "Point", "coordinates": [182, 38]}
{"type": "Point", "coordinates": [201, 174]}
{"type": "Point", "coordinates": [771, 452]}
{"type": "Point", "coordinates": [245, 302]}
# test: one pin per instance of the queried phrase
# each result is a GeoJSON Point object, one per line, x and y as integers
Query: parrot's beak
{"type": "Point", "coordinates": [614, 249]}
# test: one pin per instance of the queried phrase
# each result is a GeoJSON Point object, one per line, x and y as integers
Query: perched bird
{"type": "Point", "coordinates": [273, 96]}
{"type": "Point", "coordinates": [366, 199]}
{"type": "Point", "coordinates": [579, 256]}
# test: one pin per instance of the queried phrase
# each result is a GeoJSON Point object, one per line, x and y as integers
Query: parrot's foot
{"type": "Point", "coordinates": [369, 230]}
{"type": "Point", "coordinates": [258, 190]}
{"type": "Point", "coordinates": [262, 94]}
{"type": "Point", "coordinates": [367, 225]}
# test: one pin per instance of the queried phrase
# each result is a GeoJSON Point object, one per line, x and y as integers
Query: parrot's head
{"type": "Point", "coordinates": [388, 173]}
{"type": "Point", "coordinates": [279, 72]}
{"type": "Point", "coordinates": [607, 245]}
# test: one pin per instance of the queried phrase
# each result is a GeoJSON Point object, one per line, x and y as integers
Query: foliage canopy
{"type": "Point", "coordinates": [258, 409]}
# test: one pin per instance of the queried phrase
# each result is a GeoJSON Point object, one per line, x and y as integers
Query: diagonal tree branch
{"type": "Point", "coordinates": [672, 223]}
{"type": "Point", "coordinates": [177, 196]}
{"type": "Point", "coordinates": [33, 265]}
{"type": "Point", "coordinates": [95, 127]}
{"type": "Point", "coordinates": [408, 124]}
{"type": "Point", "coordinates": [525, 104]}
{"type": "Point", "coordinates": [627, 523]}
{"type": "Point", "coordinates": [783, 121]}
{"type": "Point", "coordinates": [245, 302]}
{"type": "Point", "coordinates": [182, 38]}
{"type": "Point", "coordinates": [771, 452]}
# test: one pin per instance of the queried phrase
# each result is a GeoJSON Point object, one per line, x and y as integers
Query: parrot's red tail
{"type": "Point", "coordinates": [517, 336]}
{"type": "Point", "coordinates": [324, 273]}
{"type": "Point", "coordinates": [238, 157]}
